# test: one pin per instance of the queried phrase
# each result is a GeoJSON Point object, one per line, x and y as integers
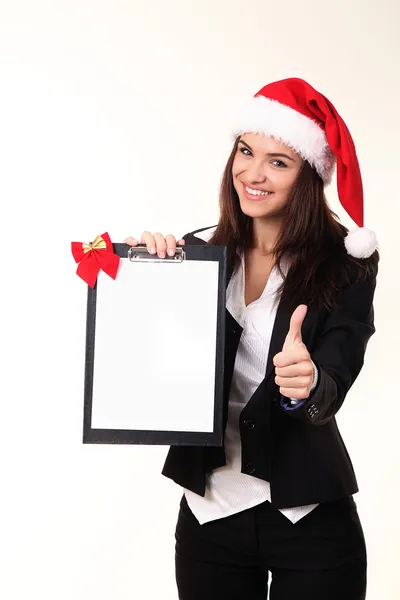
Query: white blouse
{"type": "Point", "coordinates": [228, 490]}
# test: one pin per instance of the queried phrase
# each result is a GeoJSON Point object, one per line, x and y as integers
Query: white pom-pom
{"type": "Point", "coordinates": [361, 242]}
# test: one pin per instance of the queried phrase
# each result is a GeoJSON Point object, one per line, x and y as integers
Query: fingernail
{"type": "Point", "coordinates": [152, 250]}
{"type": "Point", "coordinates": [171, 252]}
{"type": "Point", "coordinates": [162, 254]}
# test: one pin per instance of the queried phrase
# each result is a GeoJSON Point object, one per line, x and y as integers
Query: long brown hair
{"type": "Point", "coordinates": [311, 237]}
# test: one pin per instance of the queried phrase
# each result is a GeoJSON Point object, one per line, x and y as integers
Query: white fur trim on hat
{"type": "Point", "coordinates": [290, 127]}
{"type": "Point", "coordinates": [361, 242]}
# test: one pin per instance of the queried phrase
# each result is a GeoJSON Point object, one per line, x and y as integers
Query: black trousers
{"type": "Point", "coordinates": [321, 557]}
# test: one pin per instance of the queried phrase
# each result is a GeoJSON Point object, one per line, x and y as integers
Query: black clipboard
{"type": "Point", "coordinates": [104, 353]}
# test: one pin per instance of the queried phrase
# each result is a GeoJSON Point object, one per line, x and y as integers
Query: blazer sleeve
{"type": "Point", "coordinates": [339, 352]}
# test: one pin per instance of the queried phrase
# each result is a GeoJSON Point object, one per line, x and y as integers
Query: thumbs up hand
{"type": "Point", "coordinates": [294, 368]}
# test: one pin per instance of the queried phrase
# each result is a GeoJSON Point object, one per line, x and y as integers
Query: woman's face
{"type": "Point", "coordinates": [264, 172]}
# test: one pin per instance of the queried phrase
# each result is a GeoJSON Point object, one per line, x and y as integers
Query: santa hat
{"type": "Point", "coordinates": [296, 114]}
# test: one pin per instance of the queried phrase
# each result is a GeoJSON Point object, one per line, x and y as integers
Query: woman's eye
{"type": "Point", "coordinates": [244, 150]}
{"type": "Point", "coordinates": [281, 164]}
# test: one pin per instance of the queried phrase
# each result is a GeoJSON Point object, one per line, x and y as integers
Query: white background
{"type": "Point", "coordinates": [115, 117]}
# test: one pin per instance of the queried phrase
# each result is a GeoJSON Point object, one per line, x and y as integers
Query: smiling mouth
{"type": "Point", "coordinates": [254, 193]}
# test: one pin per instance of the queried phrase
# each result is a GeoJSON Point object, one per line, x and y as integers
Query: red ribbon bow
{"type": "Point", "coordinates": [95, 256]}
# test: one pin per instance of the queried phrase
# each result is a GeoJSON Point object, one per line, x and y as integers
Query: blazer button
{"type": "Point", "coordinates": [249, 424]}
{"type": "Point", "coordinates": [250, 468]}
{"type": "Point", "coordinates": [312, 410]}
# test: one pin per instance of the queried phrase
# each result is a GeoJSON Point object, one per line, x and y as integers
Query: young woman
{"type": "Point", "coordinates": [278, 496]}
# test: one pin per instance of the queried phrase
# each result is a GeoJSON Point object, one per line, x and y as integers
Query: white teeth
{"type": "Point", "coordinates": [256, 192]}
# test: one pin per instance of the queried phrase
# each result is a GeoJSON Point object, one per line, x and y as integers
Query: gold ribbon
{"type": "Point", "coordinates": [98, 244]}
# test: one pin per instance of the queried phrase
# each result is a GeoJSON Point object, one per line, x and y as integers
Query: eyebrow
{"type": "Point", "coordinates": [275, 154]}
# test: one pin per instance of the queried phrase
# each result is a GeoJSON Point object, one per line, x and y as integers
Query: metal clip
{"type": "Point", "coordinates": [140, 254]}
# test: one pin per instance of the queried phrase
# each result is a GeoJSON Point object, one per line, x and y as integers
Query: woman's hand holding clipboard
{"type": "Point", "coordinates": [157, 243]}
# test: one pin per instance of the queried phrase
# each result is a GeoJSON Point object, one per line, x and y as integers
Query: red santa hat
{"type": "Point", "coordinates": [296, 114]}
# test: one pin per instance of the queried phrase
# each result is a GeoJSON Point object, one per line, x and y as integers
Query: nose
{"type": "Point", "coordinates": [256, 172]}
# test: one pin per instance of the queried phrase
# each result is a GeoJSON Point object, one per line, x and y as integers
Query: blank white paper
{"type": "Point", "coordinates": [155, 346]}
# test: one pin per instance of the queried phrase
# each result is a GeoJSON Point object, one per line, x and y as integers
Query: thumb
{"type": "Point", "coordinates": [294, 337]}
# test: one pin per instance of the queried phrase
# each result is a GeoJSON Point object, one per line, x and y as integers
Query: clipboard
{"type": "Point", "coordinates": [155, 343]}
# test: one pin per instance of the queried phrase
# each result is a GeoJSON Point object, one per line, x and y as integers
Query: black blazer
{"type": "Point", "coordinates": [300, 452]}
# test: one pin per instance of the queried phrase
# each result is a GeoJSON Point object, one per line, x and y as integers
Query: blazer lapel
{"type": "Point", "coordinates": [229, 273]}
{"type": "Point", "coordinates": [279, 332]}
